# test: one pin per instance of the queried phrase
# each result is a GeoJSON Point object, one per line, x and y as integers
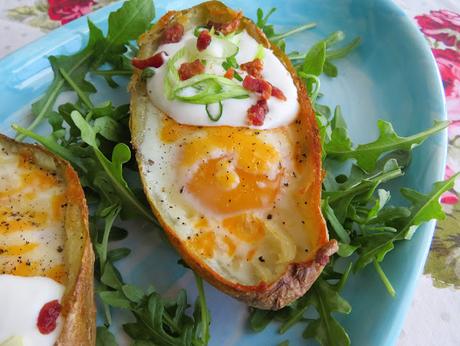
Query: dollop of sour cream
{"type": "Point", "coordinates": [21, 299]}
{"type": "Point", "coordinates": [234, 111]}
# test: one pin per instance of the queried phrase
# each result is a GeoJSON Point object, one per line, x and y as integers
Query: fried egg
{"type": "Point", "coordinates": [241, 203]}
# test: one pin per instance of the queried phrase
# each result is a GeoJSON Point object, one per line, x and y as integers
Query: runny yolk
{"type": "Point", "coordinates": [252, 192]}
{"type": "Point", "coordinates": [245, 227]}
{"type": "Point", "coordinates": [234, 170]}
{"type": "Point", "coordinates": [204, 243]}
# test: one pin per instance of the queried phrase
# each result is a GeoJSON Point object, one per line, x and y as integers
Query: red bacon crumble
{"type": "Point", "coordinates": [229, 73]}
{"type": "Point", "coordinates": [257, 112]}
{"type": "Point", "coordinates": [173, 33]}
{"type": "Point", "coordinates": [228, 27]}
{"type": "Point", "coordinates": [276, 92]}
{"type": "Point", "coordinates": [254, 67]}
{"type": "Point", "coordinates": [153, 61]}
{"type": "Point", "coordinates": [47, 317]}
{"type": "Point", "coordinates": [189, 69]}
{"type": "Point", "coordinates": [261, 86]}
{"type": "Point", "coordinates": [204, 40]}
{"type": "Point", "coordinates": [258, 85]}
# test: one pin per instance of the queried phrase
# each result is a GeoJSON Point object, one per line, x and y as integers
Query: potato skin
{"type": "Point", "coordinates": [298, 277]}
{"type": "Point", "coordinates": [78, 307]}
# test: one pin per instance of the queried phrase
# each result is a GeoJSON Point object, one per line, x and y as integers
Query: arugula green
{"type": "Point", "coordinates": [356, 207]}
{"type": "Point", "coordinates": [366, 155]}
{"type": "Point", "coordinates": [125, 24]}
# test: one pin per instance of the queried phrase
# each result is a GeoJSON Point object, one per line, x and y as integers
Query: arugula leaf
{"type": "Point", "coordinates": [423, 208]}
{"type": "Point", "coordinates": [315, 59]}
{"type": "Point", "coordinates": [75, 65]}
{"type": "Point", "coordinates": [326, 330]}
{"type": "Point", "coordinates": [201, 315]}
{"type": "Point", "coordinates": [366, 155]}
{"type": "Point", "coordinates": [125, 24]}
{"type": "Point", "coordinates": [113, 169]}
{"type": "Point", "coordinates": [104, 337]}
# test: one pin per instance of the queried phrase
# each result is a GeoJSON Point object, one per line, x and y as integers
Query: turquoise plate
{"type": "Point", "coordinates": [391, 76]}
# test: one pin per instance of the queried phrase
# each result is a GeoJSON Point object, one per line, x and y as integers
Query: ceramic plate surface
{"type": "Point", "coordinates": [391, 76]}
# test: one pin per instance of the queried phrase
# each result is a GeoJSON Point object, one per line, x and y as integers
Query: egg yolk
{"type": "Point", "coordinates": [233, 170]}
{"type": "Point", "coordinates": [230, 172]}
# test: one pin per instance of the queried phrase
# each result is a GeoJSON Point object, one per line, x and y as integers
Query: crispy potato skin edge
{"type": "Point", "coordinates": [78, 307]}
{"type": "Point", "coordinates": [298, 277]}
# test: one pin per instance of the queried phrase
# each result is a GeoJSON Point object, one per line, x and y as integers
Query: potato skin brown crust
{"type": "Point", "coordinates": [298, 277]}
{"type": "Point", "coordinates": [78, 307]}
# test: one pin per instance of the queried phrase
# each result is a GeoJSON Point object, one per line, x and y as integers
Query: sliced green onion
{"type": "Point", "coordinates": [229, 49]}
{"type": "Point", "coordinates": [214, 117]}
{"type": "Point", "coordinates": [212, 89]}
{"type": "Point", "coordinates": [260, 53]}
{"type": "Point", "coordinates": [206, 88]}
{"type": "Point", "coordinates": [237, 76]}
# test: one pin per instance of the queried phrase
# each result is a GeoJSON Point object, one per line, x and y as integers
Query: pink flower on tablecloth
{"type": "Point", "coordinates": [449, 65]}
{"type": "Point", "coordinates": [68, 10]}
{"type": "Point", "coordinates": [442, 25]}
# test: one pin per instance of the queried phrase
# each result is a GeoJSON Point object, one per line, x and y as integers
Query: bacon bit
{"type": "Point", "coordinates": [229, 73]}
{"type": "Point", "coordinates": [47, 317]}
{"type": "Point", "coordinates": [257, 112]}
{"type": "Point", "coordinates": [189, 69]}
{"type": "Point", "coordinates": [173, 33]}
{"type": "Point", "coordinates": [258, 85]}
{"type": "Point", "coordinates": [276, 92]}
{"type": "Point", "coordinates": [203, 41]}
{"type": "Point", "coordinates": [254, 67]}
{"type": "Point", "coordinates": [228, 27]}
{"type": "Point", "coordinates": [154, 61]}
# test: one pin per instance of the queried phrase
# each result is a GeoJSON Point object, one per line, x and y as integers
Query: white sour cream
{"type": "Point", "coordinates": [234, 112]}
{"type": "Point", "coordinates": [21, 299]}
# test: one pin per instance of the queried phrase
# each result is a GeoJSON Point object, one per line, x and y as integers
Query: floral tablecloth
{"type": "Point", "coordinates": [434, 318]}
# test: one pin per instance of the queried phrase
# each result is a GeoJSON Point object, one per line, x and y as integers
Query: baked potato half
{"type": "Point", "coordinates": [44, 245]}
{"type": "Point", "coordinates": [239, 201]}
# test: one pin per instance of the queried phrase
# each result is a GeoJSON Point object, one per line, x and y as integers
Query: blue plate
{"type": "Point", "coordinates": [391, 76]}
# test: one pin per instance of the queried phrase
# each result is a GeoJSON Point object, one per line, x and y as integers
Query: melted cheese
{"type": "Point", "coordinates": [234, 113]}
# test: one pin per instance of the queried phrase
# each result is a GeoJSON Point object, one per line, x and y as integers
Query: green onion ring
{"type": "Point", "coordinates": [219, 113]}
